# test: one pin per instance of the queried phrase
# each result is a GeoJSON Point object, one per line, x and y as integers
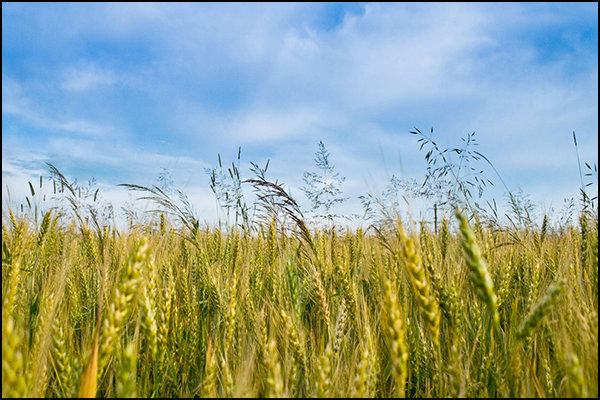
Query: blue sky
{"type": "Point", "coordinates": [120, 91]}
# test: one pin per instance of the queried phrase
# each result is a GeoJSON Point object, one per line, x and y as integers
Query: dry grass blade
{"type": "Point", "coordinates": [87, 387]}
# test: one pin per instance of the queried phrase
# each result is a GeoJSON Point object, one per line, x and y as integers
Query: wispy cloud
{"type": "Point", "coordinates": [87, 76]}
{"type": "Point", "coordinates": [16, 102]}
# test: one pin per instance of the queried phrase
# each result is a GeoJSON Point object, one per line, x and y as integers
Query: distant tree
{"type": "Point", "coordinates": [322, 188]}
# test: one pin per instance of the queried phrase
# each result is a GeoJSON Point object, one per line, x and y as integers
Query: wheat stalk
{"type": "Point", "coordinates": [397, 348]}
{"type": "Point", "coordinates": [479, 274]}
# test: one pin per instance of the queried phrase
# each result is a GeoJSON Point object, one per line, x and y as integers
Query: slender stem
{"type": "Point", "coordinates": [584, 200]}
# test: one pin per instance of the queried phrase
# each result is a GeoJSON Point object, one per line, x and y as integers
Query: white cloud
{"type": "Point", "coordinates": [17, 102]}
{"type": "Point", "coordinates": [87, 76]}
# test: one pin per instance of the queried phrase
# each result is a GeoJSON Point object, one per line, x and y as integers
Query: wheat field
{"type": "Point", "coordinates": [386, 253]}
{"type": "Point", "coordinates": [396, 310]}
